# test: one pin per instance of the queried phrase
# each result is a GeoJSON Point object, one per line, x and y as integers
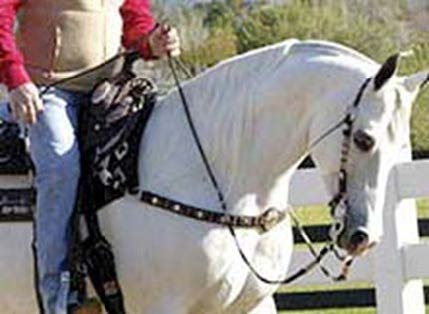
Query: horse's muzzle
{"type": "Point", "coordinates": [357, 243]}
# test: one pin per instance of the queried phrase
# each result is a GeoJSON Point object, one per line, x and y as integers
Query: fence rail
{"type": "Point", "coordinates": [395, 267]}
{"type": "Point", "coordinates": [319, 233]}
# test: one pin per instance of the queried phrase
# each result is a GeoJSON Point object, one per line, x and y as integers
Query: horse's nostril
{"type": "Point", "coordinates": [358, 238]}
{"type": "Point", "coordinates": [363, 141]}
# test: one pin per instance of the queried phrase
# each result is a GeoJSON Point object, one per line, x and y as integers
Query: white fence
{"type": "Point", "coordinates": [395, 266]}
{"type": "Point", "coordinates": [398, 263]}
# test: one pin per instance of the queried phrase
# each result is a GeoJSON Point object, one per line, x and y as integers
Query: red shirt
{"type": "Point", "coordinates": [136, 15]}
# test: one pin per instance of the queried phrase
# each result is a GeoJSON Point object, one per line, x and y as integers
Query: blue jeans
{"type": "Point", "coordinates": [55, 153]}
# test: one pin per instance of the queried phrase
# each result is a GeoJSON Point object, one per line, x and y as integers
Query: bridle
{"type": "Point", "coordinates": [272, 216]}
{"type": "Point", "coordinates": [338, 212]}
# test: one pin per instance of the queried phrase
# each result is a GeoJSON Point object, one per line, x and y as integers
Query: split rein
{"type": "Point", "coordinates": [334, 205]}
{"type": "Point", "coordinates": [272, 216]}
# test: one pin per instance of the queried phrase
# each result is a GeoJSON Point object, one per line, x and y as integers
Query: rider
{"type": "Point", "coordinates": [57, 39]}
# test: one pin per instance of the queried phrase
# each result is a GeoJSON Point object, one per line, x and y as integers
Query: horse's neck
{"type": "Point", "coordinates": [254, 130]}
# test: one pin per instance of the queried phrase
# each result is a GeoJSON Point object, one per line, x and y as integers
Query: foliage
{"type": "Point", "coordinates": [420, 118]}
{"type": "Point", "coordinates": [215, 30]}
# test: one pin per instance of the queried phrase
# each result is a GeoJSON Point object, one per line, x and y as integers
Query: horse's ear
{"type": "Point", "coordinates": [387, 71]}
{"type": "Point", "coordinates": [416, 81]}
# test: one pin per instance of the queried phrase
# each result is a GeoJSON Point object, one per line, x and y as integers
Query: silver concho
{"type": "Point", "coordinates": [101, 92]}
{"type": "Point", "coordinates": [271, 218]}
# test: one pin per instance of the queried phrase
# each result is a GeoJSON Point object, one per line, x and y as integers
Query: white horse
{"type": "Point", "coordinates": [257, 115]}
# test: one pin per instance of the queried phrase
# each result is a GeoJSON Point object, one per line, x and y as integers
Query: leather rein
{"type": "Point", "coordinates": [272, 216]}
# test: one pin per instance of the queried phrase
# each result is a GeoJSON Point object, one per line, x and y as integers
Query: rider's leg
{"type": "Point", "coordinates": [55, 153]}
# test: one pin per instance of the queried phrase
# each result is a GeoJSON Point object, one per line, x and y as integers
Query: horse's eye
{"type": "Point", "coordinates": [363, 141]}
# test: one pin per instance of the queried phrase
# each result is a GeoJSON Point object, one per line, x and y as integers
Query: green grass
{"type": "Point", "coordinates": [423, 207]}
{"type": "Point", "coordinates": [334, 287]}
{"type": "Point", "coordinates": [315, 215]}
{"type": "Point", "coordinates": [364, 310]}
{"type": "Point", "coordinates": [334, 311]}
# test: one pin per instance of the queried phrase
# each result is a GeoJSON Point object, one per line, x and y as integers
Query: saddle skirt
{"type": "Point", "coordinates": [111, 126]}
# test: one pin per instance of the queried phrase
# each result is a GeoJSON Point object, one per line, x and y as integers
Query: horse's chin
{"type": "Point", "coordinates": [360, 249]}
{"type": "Point", "coordinates": [355, 248]}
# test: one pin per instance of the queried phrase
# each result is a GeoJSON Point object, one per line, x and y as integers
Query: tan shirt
{"type": "Point", "coordinates": [60, 38]}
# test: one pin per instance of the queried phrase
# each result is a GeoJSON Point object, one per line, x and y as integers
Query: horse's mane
{"type": "Point", "coordinates": [226, 100]}
{"type": "Point", "coordinates": [321, 47]}
{"type": "Point", "coordinates": [262, 61]}
{"type": "Point", "coordinates": [253, 63]}
{"type": "Point", "coordinates": [244, 74]}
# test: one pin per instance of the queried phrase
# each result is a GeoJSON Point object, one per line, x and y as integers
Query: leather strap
{"type": "Point", "coordinates": [265, 222]}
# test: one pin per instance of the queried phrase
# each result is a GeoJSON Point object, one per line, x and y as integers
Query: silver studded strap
{"type": "Point", "coordinates": [265, 222]}
{"type": "Point", "coordinates": [339, 203]}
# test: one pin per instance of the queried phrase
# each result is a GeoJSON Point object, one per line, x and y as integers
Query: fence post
{"type": "Point", "coordinates": [395, 294]}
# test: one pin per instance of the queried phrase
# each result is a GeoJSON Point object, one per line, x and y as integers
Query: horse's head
{"type": "Point", "coordinates": [379, 135]}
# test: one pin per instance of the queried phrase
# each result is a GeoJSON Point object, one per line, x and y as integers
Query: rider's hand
{"type": "Point", "coordinates": [164, 40]}
{"type": "Point", "coordinates": [25, 103]}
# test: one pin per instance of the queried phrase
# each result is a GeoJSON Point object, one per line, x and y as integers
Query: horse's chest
{"type": "Point", "coordinates": [227, 275]}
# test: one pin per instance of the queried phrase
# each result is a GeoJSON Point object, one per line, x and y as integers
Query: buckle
{"type": "Point", "coordinates": [271, 218]}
